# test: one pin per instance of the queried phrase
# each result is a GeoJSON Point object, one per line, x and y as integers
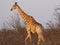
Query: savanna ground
{"type": "Point", "coordinates": [17, 37]}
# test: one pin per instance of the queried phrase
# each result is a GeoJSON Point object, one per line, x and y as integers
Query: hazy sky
{"type": "Point", "coordinates": [41, 10]}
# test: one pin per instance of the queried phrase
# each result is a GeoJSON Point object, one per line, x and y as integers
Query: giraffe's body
{"type": "Point", "coordinates": [31, 24]}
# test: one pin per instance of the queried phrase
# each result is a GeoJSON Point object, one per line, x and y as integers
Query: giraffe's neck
{"type": "Point", "coordinates": [23, 14]}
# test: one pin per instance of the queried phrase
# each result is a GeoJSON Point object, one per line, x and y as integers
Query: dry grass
{"type": "Point", "coordinates": [17, 38]}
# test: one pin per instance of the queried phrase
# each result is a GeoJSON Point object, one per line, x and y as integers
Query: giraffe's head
{"type": "Point", "coordinates": [14, 6]}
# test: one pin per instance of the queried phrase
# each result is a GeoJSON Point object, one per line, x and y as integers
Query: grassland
{"type": "Point", "coordinates": [17, 37]}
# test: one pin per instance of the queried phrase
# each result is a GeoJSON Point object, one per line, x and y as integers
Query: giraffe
{"type": "Point", "coordinates": [31, 24]}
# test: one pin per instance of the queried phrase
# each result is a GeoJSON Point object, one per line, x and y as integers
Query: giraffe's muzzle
{"type": "Point", "coordinates": [11, 9]}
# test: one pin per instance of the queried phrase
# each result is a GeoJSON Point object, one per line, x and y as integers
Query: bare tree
{"type": "Point", "coordinates": [50, 25]}
{"type": "Point", "coordinates": [57, 19]}
{"type": "Point", "coordinates": [15, 22]}
{"type": "Point", "coordinates": [57, 14]}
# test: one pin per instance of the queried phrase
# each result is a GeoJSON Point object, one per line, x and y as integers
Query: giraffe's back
{"type": "Point", "coordinates": [36, 27]}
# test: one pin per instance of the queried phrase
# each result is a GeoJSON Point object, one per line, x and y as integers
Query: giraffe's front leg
{"type": "Point", "coordinates": [28, 33]}
{"type": "Point", "coordinates": [28, 36]}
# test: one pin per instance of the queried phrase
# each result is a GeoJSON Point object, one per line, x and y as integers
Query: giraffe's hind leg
{"type": "Point", "coordinates": [41, 37]}
{"type": "Point", "coordinates": [39, 40]}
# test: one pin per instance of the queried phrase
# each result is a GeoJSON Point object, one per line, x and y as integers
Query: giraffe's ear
{"type": "Point", "coordinates": [15, 3]}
